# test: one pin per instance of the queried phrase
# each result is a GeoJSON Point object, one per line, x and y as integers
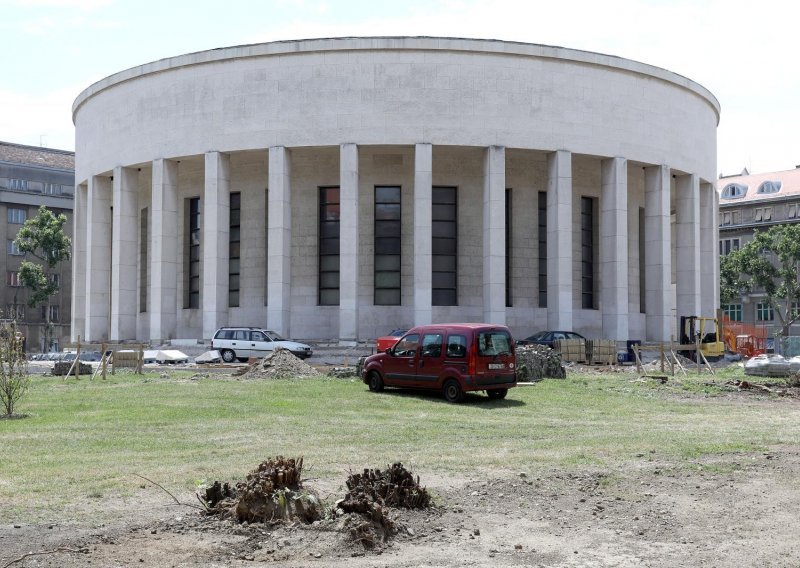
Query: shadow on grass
{"type": "Point", "coordinates": [472, 399]}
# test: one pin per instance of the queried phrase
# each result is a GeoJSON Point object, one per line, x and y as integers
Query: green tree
{"type": "Point", "coordinates": [42, 237]}
{"type": "Point", "coordinates": [769, 264]}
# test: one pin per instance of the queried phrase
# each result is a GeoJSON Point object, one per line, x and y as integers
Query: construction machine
{"type": "Point", "coordinates": [702, 331]}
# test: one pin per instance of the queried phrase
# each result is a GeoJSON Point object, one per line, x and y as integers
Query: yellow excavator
{"type": "Point", "coordinates": [707, 331]}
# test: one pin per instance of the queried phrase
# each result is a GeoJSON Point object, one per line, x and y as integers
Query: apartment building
{"type": "Point", "coordinates": [32, 176]}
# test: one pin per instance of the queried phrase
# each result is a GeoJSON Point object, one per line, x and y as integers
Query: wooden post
{"type": "Point", "coordinates": [104, 360]}
{"type": "Point", "coordinates": [661, 348]}
{"type": "Point", "coordinates": [698, 354]}
{"type": "Point", "coordinates": [672, 354]}
{"type": "Point", "coordinates": [113, 363]}
{"type": "Point", "coordinates": [140, 359]}
{"type": "Point", "coordinates": [638, 359]}
{"type": "Point", "coordinates": [78, 359]}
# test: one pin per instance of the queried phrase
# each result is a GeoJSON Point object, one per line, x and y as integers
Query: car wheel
{"type": "Point", "coordinates": [375, 382]}
{"type": "Point", "coordinates": [453, 391]}
{"type": "Point", "coordinates": [497, 393]}
{"type": "Point", "coordinates": [227, 355]}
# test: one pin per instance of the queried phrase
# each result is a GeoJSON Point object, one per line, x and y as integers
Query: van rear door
{"type": "Point", "coordinates": [495, 360]}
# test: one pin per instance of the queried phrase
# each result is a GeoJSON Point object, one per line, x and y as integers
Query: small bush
{"type": "Point", "coordinates": [14, 379]}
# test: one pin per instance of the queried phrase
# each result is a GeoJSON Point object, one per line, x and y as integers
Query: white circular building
{"type": "Point", "coordinates": [338, 188]}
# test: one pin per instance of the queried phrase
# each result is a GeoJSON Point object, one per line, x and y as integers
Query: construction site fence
{"type": "Point", "coordinates": [114, 355]}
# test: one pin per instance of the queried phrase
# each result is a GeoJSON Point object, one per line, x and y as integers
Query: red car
{"type": "Point", "coordinates": [383, 343]}
{"type": "Point", "coordinates": [453, 358]}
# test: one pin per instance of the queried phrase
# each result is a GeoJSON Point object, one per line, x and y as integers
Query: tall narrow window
{"type": "Point", "coordinates": [387, 246]}
{"type": "Point", "coordinates": [587, 253]}
{"type": "Point", "coordinates": [234, 250]}
{"type": "Point", "coordinates": [445, 247]}
{"type": "Point", "coordinates": [642, 283]}
{"type": "Point", "coordinates": [143, 262]}
{"type": "Point", "coordinates": [329, 214]}
{"type": "Point", "coordinates": [508, 248]}
{"type": "Point", "coordinates": [192, 296]}
{"type": "Point", "coordinates": [542, 249]}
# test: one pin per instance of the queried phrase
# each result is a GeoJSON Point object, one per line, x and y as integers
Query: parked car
{"type": "Point", "coordinates": [453, 358]}
{"type": "Point", "coordinates": [383, 343]}
{"type": "Point", "coordinates": [549, 337]}
{"type": "Point", "coordinates": [244, 342]}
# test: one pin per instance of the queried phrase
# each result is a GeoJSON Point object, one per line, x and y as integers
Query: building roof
{"type": "Point", "coordinates": [37, 156]}
{"type": "Point", "coordinates": [789, 181]}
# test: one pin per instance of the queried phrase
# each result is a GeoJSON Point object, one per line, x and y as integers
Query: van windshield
{"type": "Point", "coordinates": [491, 343]}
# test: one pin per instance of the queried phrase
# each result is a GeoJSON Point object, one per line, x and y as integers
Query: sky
{"type": "Point", "coordinates": [746, 53]}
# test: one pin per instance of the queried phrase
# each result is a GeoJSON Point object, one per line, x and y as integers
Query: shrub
{"type": "Point", "coordinates": [14, 379]}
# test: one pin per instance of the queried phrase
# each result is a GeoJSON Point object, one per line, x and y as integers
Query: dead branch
{"type": "Point", "coordinates": [43, 552]}
{"type": "Point", "coordinates": [170, 494]}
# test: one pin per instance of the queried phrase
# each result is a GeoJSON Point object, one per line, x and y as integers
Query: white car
{"type": "Point", "coordinates": [244, 342]}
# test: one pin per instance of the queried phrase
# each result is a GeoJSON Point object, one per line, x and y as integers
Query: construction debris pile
{"type": "Point", "coordinates": [343, 372]}
{"type": "Point", "coordinates": [535, 362]}
{"type": "Point", "coordinates": [370, 497]}
{"type": "Point", "coordinates": [280, 364]}
{"type": "Point", "coordinates": [272, 492]}
{"type": "Point", "coordinates": [61, 368]}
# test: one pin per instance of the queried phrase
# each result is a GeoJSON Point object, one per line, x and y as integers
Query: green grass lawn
{"type": "Point", "coordinates": [84, 439]}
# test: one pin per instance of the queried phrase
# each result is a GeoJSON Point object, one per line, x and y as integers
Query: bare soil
{"type": "Point", "coordinates": [733, 511]}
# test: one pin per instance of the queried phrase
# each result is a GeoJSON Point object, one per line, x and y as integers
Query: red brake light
{"type": "Point", "coordinates": [472, 358]}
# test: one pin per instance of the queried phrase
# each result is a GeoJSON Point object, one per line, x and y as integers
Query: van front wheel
{"type": "Point", "coordinates": [375, 382]}
{"type": "Point", "coordinates": [497, 394]}
{"type": "Point", "coordinates": [452, 391]}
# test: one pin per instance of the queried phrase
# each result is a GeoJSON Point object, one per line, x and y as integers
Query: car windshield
{"type": "Point", "coordinates": [274, 336]}
{"type": "Point", "coordinates": [536, 336]}
{"type": "Point", "coordinates": [397, 333]}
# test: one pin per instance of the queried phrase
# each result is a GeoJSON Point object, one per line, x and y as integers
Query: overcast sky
{"type": "Point", "coordinates": [745, 53]}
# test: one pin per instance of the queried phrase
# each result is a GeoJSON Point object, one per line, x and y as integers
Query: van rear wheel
{"type": "Point", "coordinates": [497, 394]}
{"type": "Point", "coordinates": [375, 382]}
{"type": "Point", "coordinates": [453, 391]}
{"type": "Point", "coordinates": [227, 355]}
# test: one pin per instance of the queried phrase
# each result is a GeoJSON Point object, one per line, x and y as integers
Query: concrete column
{"type": "Point", "coordinates": [216, 213]}
{"type": "Point", "coordinates": [124, 252]}
{"type": "Point", "coordinates": [559, 240]}
{"type": "Point", "coordinates": [614, 248]}
{"type": "Point", "coordinates": [79, 236]}
{"type": "Point", "coordinates": [423, 234]}
{"type": "Point", "coordinates": [709, 251]}
{"type": "Point", "coordinates": [164, 245]}
{"type": "Point", "coordinates": [98, 258]}
{"type": "Point", "coordinates": [715, 246]}
{"type": "Point", "coordinates": [494, 235]}
{"type": "Point", "coordinates": [687, 235]}
{"type": "Point", "coordinates": [348, 242]}
{"type": "Point", "coordinates": [657, 263]}
{"type": "Point", "coordinates": [279, 240]}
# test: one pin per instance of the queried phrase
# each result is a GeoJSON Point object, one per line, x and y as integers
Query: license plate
{"type": "Point", "coordinates": [497, 366]}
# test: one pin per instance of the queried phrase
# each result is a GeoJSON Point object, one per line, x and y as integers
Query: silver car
{"type": "Point", "coordinates": [244, 342]}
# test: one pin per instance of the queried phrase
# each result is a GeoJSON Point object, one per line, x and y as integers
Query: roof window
{"type": "Point", "coordinates": [770, 187]}
{"type": "Point", "coordinates": [734, 191]}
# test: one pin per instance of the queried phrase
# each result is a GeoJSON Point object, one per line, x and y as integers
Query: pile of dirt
{"type": "Point", "coordinates": [280, 364]}
{"type": "Point", "coordinates": [272, 492]}
{"type": "Point", "coordinates": [535, 362]}
{"type": "Point", "coordinates": [370, 498]}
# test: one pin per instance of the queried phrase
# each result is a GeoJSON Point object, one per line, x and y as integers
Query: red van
{"type": "Point", "coordinates": [453, 357]}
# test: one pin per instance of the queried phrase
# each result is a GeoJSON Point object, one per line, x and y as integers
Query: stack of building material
{"type": "Point", "coordinates": [572, 350]}
{"type": "Point", "coordinates": [602, 351]}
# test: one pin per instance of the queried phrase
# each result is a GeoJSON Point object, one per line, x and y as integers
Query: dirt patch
{"type": "Point", "coordinates": [728, 511]}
